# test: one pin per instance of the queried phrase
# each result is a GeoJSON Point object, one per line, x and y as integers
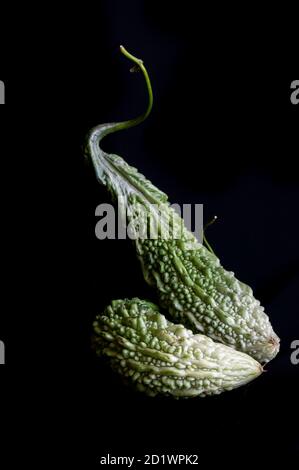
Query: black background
{"type": "Point", "coordinates": [223, 132]}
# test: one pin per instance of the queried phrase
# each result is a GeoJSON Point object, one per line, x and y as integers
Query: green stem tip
{"type": "Point", "coordinates": [102, 130]}
{"type": "Point", "coordinates": [143, 116]}
{"type": "Point", "coordinates": [204, 235]}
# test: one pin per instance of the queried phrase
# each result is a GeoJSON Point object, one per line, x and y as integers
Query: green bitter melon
{"type": "Point", "coordinates": [160, 357]}
{"type": "Point", "coordinates": [193, 286]}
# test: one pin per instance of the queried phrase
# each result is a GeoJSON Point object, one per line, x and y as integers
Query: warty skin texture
{"type": "Point", "coordinates": [192, 285]}
{"type": "Point", "coordinates": [160, 357]}
{"type": "Point", "coordinates": [199, 292]}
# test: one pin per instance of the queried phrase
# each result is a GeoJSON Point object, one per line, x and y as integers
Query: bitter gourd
{"type": "Point", "coordinates": [193, 286]}
{"type": "Point", "coordinates": [160, 357]}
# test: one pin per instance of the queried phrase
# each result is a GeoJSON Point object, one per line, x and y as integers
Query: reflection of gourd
{"type": "Point", "coordinates": [160, 357]}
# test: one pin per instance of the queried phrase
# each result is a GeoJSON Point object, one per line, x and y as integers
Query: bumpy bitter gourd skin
{"type": "Point", "coordinates": [160, 357]}
{"type": "Point", "coordinates": [192, 284]}
{"type": "Point", "coordinates": [198, 291]}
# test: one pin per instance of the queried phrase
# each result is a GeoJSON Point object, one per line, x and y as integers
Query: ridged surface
{"type": "Point", "coordinates": [192, 285]}
{"type": "Point", "coordinates": [199, 292]}
{"type": "Point", "coordinates": [159, 357]}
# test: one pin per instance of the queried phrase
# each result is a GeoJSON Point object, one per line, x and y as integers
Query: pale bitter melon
{"type": "Point", "coordinates": [194, 288]}
{"type": "Point", "coordinates": [160, 357]}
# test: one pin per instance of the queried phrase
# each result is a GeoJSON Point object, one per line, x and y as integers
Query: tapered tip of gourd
{"type": "Point", "coordinates": [266, 350]}
{"type": "Point", "coordinates": [273, 347]}
{"type": "Point", "coordinates": [256, 371]}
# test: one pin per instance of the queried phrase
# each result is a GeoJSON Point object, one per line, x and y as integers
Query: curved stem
{"type": "Point", "coordinates": [133, 122]}
{"type": "Point", "coordinates": [204, 236]}
{"type": "Point", "coordinates": [207, 244]}
{"type": "Point", "coordinates": [139, 63]}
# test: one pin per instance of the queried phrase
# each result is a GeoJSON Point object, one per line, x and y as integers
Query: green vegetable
{"type": "Point", "coordinates": [193, 286]}
{"type": "Point", "coordinates": [160, 357]}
